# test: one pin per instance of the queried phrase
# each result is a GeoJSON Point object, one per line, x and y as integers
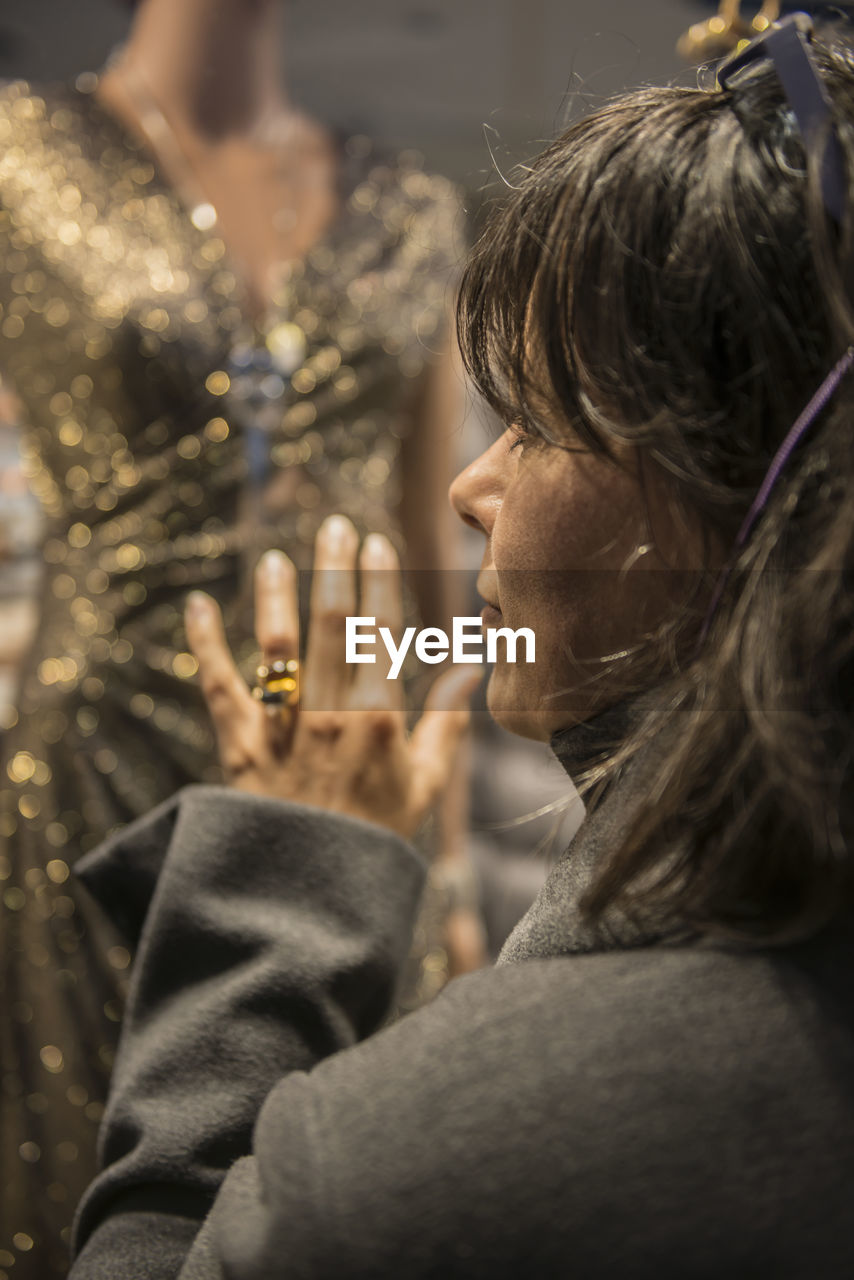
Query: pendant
{"type": "Point", "coordinates": [287, 346]}
{"type": "Point", "coordinates": [203, 216]}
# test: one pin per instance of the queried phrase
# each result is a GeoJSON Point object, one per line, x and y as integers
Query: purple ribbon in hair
{"type": "Point", "coordinates": [786, 45]}
{"type": "Point", "coordinates": [798, 429]}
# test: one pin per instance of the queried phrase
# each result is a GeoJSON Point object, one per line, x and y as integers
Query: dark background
{"type": "Point", "coordinates": [438, 75]}
{"type": "Point", "coordinates": [422, 73]}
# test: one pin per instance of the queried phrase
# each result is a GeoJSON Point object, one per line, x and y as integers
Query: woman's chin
{"type": "Point", "coordinates": [512, 710]}
{"type": "Point", "coordinates": [533, 713]}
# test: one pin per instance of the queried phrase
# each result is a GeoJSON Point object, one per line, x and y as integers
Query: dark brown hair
{"type": "Point", "coordinates": [665, 274]}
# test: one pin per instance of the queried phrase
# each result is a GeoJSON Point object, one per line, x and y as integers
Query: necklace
{"type": "Point", "coordinates": [284, 343]}
{"type": "Point", "coordinates": [164, 143]}
{"type": "Point", "coordinates": [266, 353]}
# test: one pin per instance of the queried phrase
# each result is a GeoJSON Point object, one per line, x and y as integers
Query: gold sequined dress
{"type": "Point", "coordinates": [167, 446]}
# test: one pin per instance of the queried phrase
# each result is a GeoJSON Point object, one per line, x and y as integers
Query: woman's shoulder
{"type": "Point", "coordinates": [413, 218]}
{"type": "Point", "coordinates": [25, 112]}
{"type": "Point", "coordinates": [655, 1090]}
{"type": "Point", "coordinates": [659, 1009]}
{"type": "Point", "coordinates": [26, 105]}
{"type": "Point", "coordinates": [375, 171]}
{"type": "Point", "coordinates": [53, 135]}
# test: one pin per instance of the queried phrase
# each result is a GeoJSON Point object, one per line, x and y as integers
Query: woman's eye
{"type": "Point", "coordinates": [525, 440]}
{"type": "Point", "coordinates": [523, 437]}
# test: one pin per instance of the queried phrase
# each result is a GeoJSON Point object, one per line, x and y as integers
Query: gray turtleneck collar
{"type": "Point", "coordinates": [554, 924]}
{"type": "Point", "coordinates": [579, 747]}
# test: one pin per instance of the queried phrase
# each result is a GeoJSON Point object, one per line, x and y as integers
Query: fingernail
{"type": "Point", "coordinates": [273, 564]}
{"type": "Point", "coordinates": [335, 530]}
{"type": "Point", "coordinates": [377, 549]}
{"type": "Point", "coordinates": [198, 604]}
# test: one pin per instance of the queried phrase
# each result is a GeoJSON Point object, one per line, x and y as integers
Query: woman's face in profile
{"type": "Point", "coordinates": [581, 553]}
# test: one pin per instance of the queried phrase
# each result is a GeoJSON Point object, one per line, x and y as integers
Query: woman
{"type": "Point", "coordinates": [656, 1079]}
{"type": "Point", "coordinates": [224, 324]}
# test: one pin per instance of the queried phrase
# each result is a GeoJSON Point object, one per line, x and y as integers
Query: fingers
{"type": "Point", "coordinates": [326, 676]}
{"type": "Point", "coordinates": [277, 633]}
{"type": "Point", "coordinates": [229, 701]}
{"type": "Point", "coordinates": [382, 599]}
{"type": "Point", "coordinates": [437, 736]}
{"type": "Point", "coordinates": [276, 607]}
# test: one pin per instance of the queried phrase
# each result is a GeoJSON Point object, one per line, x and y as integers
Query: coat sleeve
{"type": "Point", "coordinates": [271, 936]}
{"type": "Point", "coordinates": [644, 1112]}
{"type": "Point", "coordinates": [427, 1150]}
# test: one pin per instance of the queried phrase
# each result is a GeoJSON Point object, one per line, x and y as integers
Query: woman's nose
{"type": "Point", "coordinates": [477, 492]}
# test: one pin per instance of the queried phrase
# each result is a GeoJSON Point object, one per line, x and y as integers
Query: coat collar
{"type": "Point", "coordinates": [578, 747]}
{"type": "Point", "coordinates": [555, 925]}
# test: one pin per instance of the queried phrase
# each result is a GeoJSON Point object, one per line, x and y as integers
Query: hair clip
{"type": "Point", "coordinates": [786, 46]}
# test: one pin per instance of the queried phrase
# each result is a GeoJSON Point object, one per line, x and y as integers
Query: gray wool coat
{"type": "Point", "coordinates": [602, 1103]}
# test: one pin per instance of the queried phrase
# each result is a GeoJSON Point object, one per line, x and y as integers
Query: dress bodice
{"type": "Point", "coordinates": [169, 443]}
{"type": "Point", "coordinates": [122, 333]}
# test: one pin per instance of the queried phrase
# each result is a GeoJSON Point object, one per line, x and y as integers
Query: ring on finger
{"type": "Point", "coordinates": [277, 686]}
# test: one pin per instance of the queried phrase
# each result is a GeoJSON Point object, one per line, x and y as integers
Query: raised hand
{"type": "Point", "coordinates": [344, 746]}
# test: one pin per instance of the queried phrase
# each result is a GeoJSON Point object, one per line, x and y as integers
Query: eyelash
{"type": "Point", "coordinates": [524, 436]}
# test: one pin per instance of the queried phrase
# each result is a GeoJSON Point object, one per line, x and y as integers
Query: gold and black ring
{"type": "Point", "coordinates": [277, 685]}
